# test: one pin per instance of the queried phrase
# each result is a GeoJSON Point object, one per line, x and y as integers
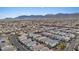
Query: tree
{"type": "Point", "coordinates": [62, 46]}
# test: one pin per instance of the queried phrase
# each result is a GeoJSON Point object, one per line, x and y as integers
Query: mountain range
{"type": "Point", "coordinates": [53, 16]}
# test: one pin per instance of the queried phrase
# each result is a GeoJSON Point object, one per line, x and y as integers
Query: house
{"type": "Point", "coordinates": [47, 34]}
{"type": "Point", "coordinates": [37, 47]}
{"type": "Point", "coordinates": [44, 49]}
{"type": "Point", "coordinates": [52, 43]}
{"type": "Point", "coordinates": [26, 41]}
{"type": "Point", "coordinates": [31, 43]}
{"type": "Point", "coordinates": [23, 37]}
{"type": "Point", "coordinates": [41, 39]}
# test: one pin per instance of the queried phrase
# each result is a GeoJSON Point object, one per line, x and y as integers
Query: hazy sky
{"type": "Point", "coordinates": [17, 11]}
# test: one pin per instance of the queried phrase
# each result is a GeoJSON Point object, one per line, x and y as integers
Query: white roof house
{"type": "Point", "coordinates": [37, 47]}
{"type": "Point", "coordinates": [44, 49]}
{"type": "Point", "coordinates": [33, 35]}
{"type": "Point", "coordinates": [52, 43]}
{"type": "Point", "coordinates": [32, 43]}
{"type": "Point", "coordinates": [71, 35]}
{"type": "Point", "coordinates": [42, 39]}
{"type": "Point", "coordinates": [51, 31]}
{"type": "Point", "coordinates": [48, 41]}
{"type": "Point", "coordinates": [67, 38]}
{"type": "Point", "coordinates": [26, 41]}
{"type": "Point", "coordinates": [57, 37]}
{"type": "Point", "coordinates": [36, 35]}
{"type": "Point", "coordinates": [23, 37]}
{"type": "Point", "coordinates": [47, 34]}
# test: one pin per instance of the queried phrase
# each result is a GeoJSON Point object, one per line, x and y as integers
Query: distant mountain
{"type": "Point", "coordinates": [47, 16]}
{"type": "Point", "coordinates": [31, 16]}
{"type": "Point", "coordinates": [60, 15]}
{"type": "Point", "coordinates": [8, 18]}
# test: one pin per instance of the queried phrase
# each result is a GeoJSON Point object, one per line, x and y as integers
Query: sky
{"type": "Point", "coordinates": [17, 11]}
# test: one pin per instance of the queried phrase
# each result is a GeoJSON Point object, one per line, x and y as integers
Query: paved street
{"type": "Point", "coordinates": [17, 44]}
{"type": "Point", "coordinates": [73, 43]}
